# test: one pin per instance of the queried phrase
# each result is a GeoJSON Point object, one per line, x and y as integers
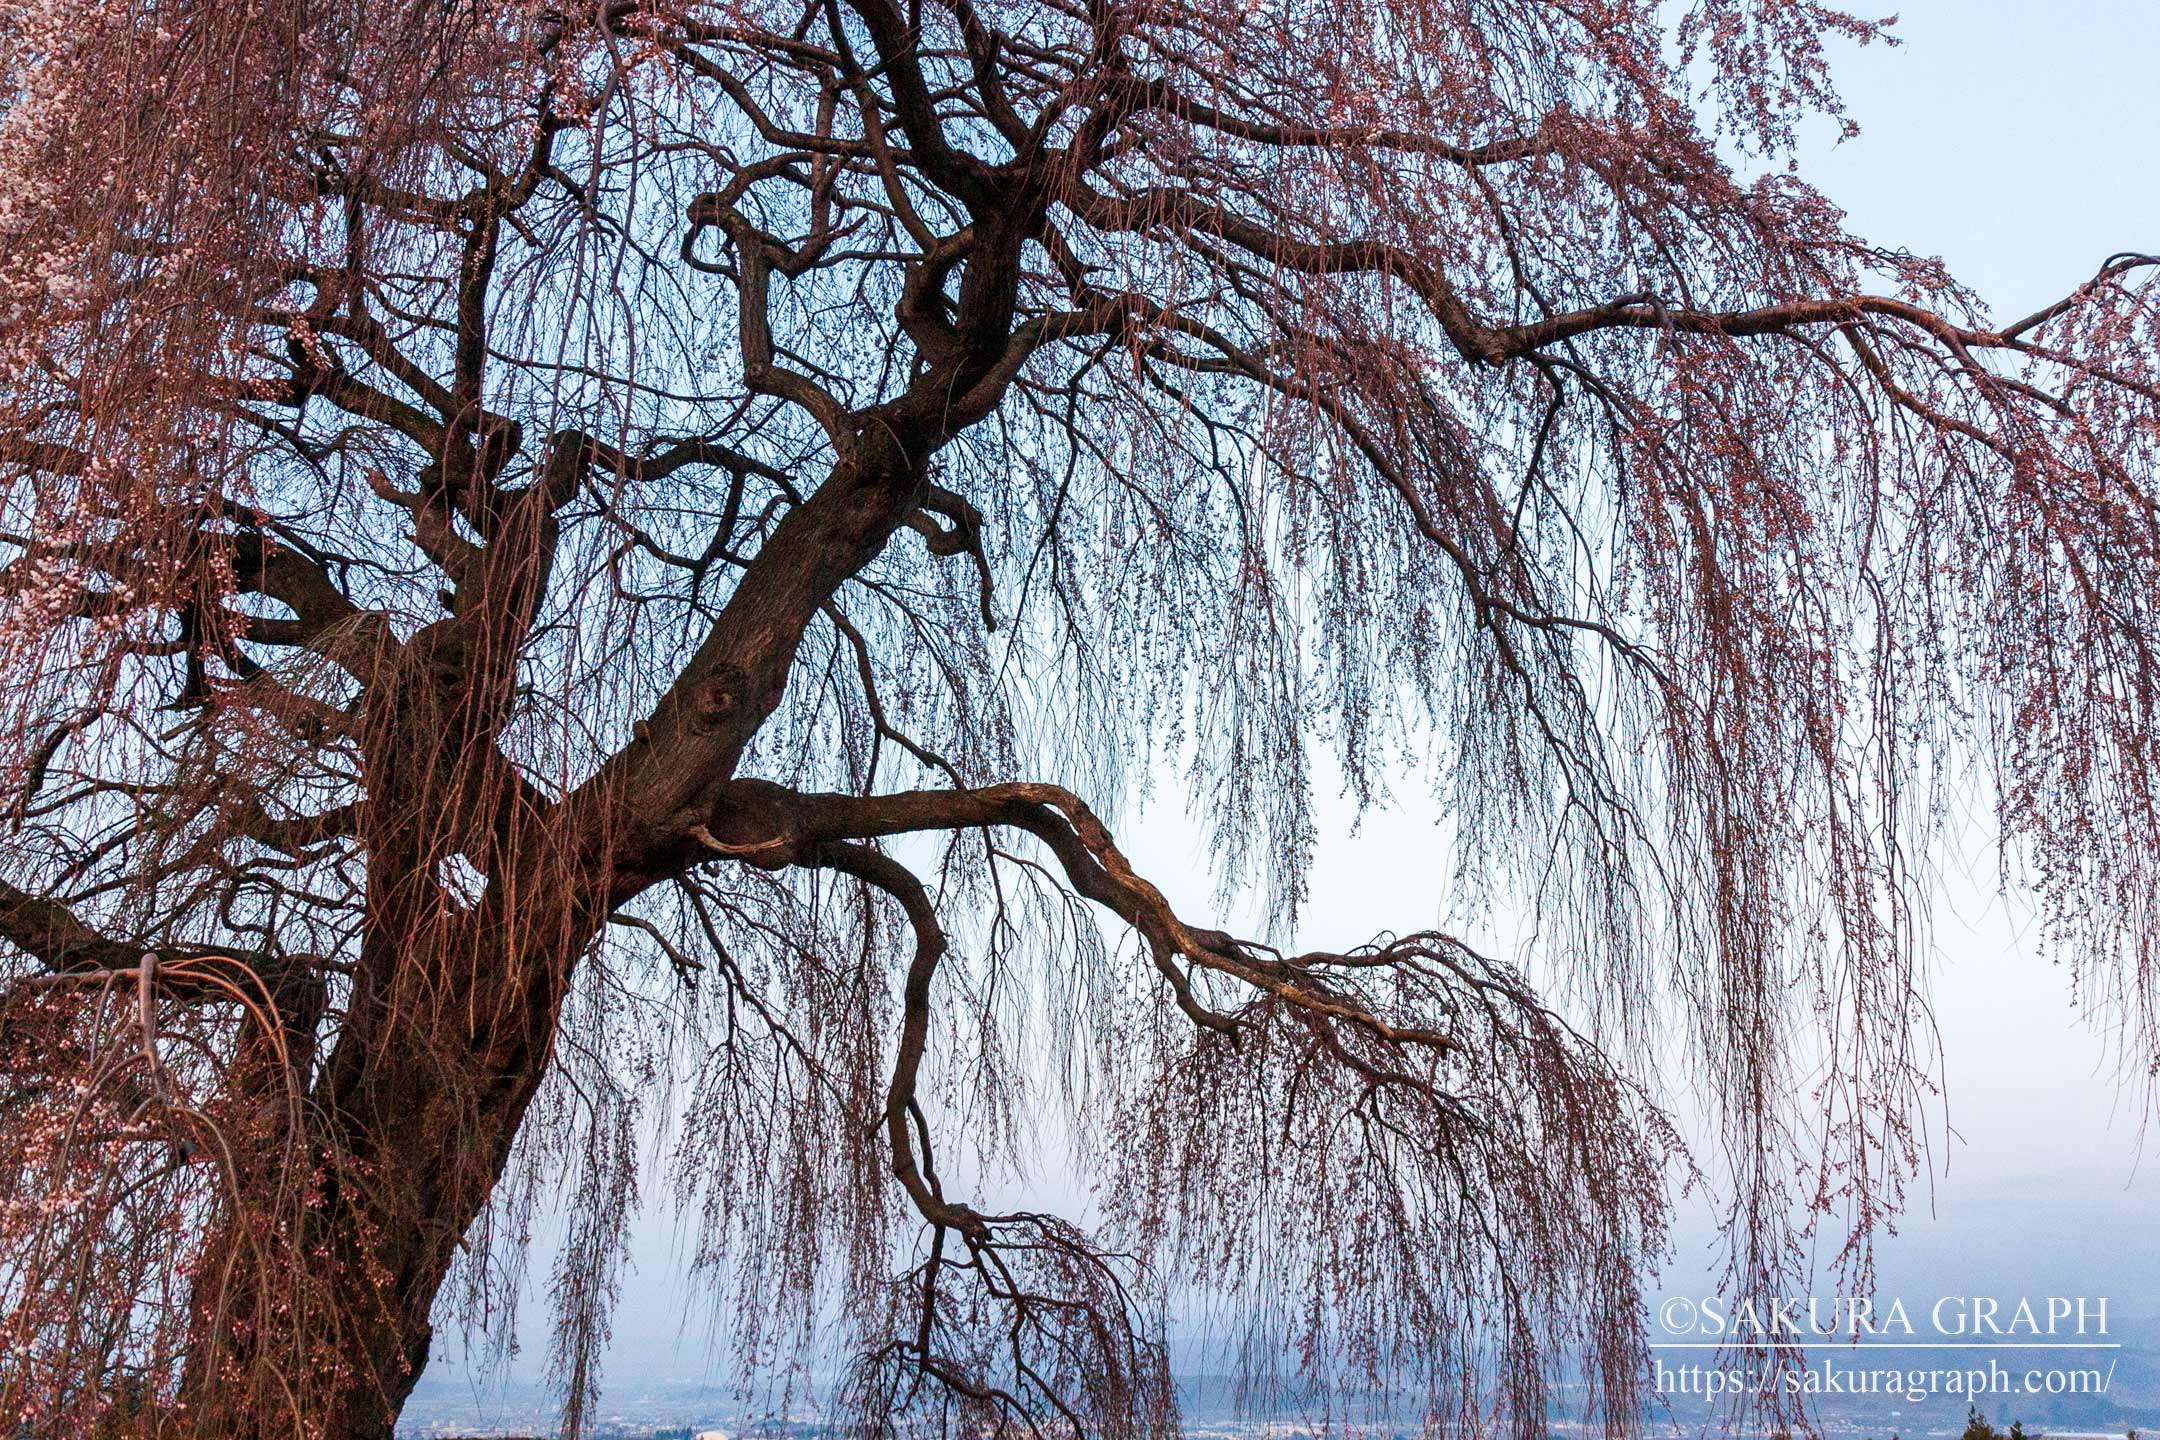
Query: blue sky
{"type": "Point", "coordinates": [2013, 141]}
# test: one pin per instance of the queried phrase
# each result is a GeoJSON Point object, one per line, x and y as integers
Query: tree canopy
{"type": "Point", "coordinates": [565, 567]}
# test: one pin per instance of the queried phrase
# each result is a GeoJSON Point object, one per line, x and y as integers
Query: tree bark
{"type": "Point", "coordinates": [421, 1120]}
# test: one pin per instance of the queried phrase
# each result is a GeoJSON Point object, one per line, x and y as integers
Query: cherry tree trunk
{"type": "Point", "coordinates": [423, 1105]}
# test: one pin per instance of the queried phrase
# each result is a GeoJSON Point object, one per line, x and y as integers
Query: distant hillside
{"type": "Point", "coordinates": [448, 1404]}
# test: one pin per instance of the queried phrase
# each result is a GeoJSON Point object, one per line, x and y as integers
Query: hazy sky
{"type": "Point", "coordinates": [2012, 139]}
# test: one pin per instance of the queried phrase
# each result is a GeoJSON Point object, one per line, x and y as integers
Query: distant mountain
{"type": "Point", "coordinates": [2123, 1393]}
{"type": "Point", "coordinates": [2097, 1392]}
